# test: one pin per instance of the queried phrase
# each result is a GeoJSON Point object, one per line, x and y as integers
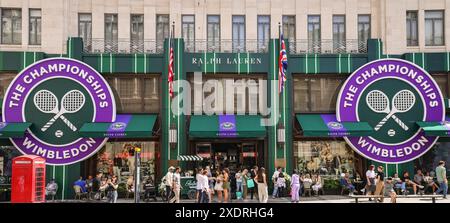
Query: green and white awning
{"type": "Point", "coordinates": [226, 126]}
{"type": "Point", "coordinates": [13, 130]}
{"type": "Point", "coordinates": [436, 128]}
{"type": "Point", "coordinates": [320, 125]}
{"type": "Point", "coordinates": [125, 126]}
{"type": "Point", "coordinates": [190, 158]}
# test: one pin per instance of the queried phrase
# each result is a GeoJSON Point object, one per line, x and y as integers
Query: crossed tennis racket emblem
{"type": "Point", "coordinates": [379, 102]}
{"type": "Point", "coordinates": [46, 102]}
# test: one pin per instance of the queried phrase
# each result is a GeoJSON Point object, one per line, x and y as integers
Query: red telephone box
{"type": "Point", "coordinates": [28, 179]}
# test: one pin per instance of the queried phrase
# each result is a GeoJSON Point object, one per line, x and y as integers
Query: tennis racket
{"type": "Point", "coordinates": [403, 101]}
{"type": "Point", "coordinates": [46, 102]}
{"type": "Point", "coordinates": [71, 102]}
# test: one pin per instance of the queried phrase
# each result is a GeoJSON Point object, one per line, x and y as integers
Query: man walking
{"type": "Point", "coordinates": [441, 176]}
{"type": "Point", "coordinates": [274, 181]}
{"type": "Point", "coordinates": [169, 183]}
{"type": "Point", "coordinates": [176, 185]}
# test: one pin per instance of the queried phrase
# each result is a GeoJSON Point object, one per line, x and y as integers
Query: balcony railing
{"type": "Point", "coordinates": [226, 46]}
{"type": "Point", "coordinates": [326, 46]}
{"type": "Point", "coordinates": [301, 46]}
{"type": "Point", "coordinates": [123, 46]}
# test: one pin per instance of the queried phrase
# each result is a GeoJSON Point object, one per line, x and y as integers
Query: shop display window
{"type": "Point", "coordinates": [117, 158]}
{"type": "Point", "coordinates": [327, 158]}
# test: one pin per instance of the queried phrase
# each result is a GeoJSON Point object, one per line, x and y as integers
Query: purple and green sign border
{"type": "Point", "coordinates": [350, 114]}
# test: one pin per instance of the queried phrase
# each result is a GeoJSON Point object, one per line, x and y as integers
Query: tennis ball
{"type": "Point", "coordinates": [59, 133]}
{"type": "Point", "coordinates": [391, 132]}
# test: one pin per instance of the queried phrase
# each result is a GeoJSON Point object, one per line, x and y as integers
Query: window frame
{"type": "Point", "coordinates": [188, 42]}
{"type": "Point", "coordinates": [263, 44]}
{"type": "Point", "coordinates": [12, 27]}
{"type": "Point", "coordinates": [215, 42]}
{"type": "Point", "coordinates": [240, 42]}
{"type": "Point", "coordinates": [409, 41]}
{"type": "Point", "coordinates": [434, 28]}
{"type": "Point", "coordinates": [87, 42]}
{"type": "Point", "coordinates": [38, 22]}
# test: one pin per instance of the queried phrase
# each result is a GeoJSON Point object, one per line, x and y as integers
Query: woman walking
{"type": "Point", "coordinates": [219, 186]}
{"type": "Point", "coordinates": [244, 184]}
{"type": "Point", "coordinates": [112, 190]}
{"type": "Point", "coordinates": [262, 185]}
{"type": "Point", "coordinates": [226, 184]}
{"type": "Point", "coordinates": [295, 187]}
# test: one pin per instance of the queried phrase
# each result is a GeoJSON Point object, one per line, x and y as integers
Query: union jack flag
{"type": "Point", "coordinates": [171, 74]}
{"type": "Point", "coordinates": [282, 65]}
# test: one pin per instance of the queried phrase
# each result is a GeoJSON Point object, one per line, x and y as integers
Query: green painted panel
{"type": "Point", "coordinates": [241, 63]}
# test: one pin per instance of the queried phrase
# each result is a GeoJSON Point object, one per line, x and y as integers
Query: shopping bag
{"type": "Point", "coordinates": [238, 195]}
{"type": "Point", "coordinates": [250, 183]}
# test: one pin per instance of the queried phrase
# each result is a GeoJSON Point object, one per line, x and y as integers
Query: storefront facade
{"type": "Point", "coordinates": [138, 82]}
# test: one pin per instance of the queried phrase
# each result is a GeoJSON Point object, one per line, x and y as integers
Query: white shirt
{"type": "Point", "coordinates": [177, 179]}
{"type": "Point", "coordinates": [275, 174]}
{"type": "Point", "coordinates": [202, 182]}
{"type": "Point", "coordinates": [370, 174]}
{"type": "Point", "coordinates": [197, 177]}
{"type": "Point", "coordinates": [169, 178]}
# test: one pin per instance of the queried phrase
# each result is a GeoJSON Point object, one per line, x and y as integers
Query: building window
{"type": "Point", "coordinates": [411, 28]}
{"type": "Point", "coordinates": [137, 33]}
{"type": "Point", "coordinates": [289, 27]}
{"type": "Point", "coordinates": [442, 81]}
{"type": "Point", "coordinates": [188, 32]}
{"type": "Point", "coordinates": [85, 30]}
{"type": "Point", "coordinates": [314, 45]}
{"type": "Point", "coordinates": [316, 94]}
{"type": "Point", "coordinates": [11, 26]}
{"type": "Point", "coordinates": [136, 94]}
{"type": "Point", "coordinates": [326, 158]}
{"type": "Point", "coordinates": [5, 80]}
{"type": "Point", "coordinates": [363, 32]}
{"type": "Point", "coordinates": [430, 160]}
{"type": "Point", "coordinates": [117, 158]}
{"type": "Point", "coordinates": [434, 28]}
{"type": "Point", "coordinates": [339, 34]}
{"type": "Point", "coordinates": [162, 31]}
{"type": "Point", "coordinates": [245, 95]}
{"type": "Point", "coordinates": [238, 33]}
{"type": "Point", "coordinates": [213, 33]}
{"type": "Point", "coordinates": [111, 33]}
{"type": "Point", "coordinates": [35, 27]}
{"type": "Point", "coordinates": [263, 32]}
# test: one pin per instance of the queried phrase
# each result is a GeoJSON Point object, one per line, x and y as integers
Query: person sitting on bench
{"type": "Point", "coordinates": [389, 190]}
{"type": "Point", "coordinates": [408, 182]}
{"type": "Point", "coordinates": [347, 183]}
{"type": "Point", "coordinates": [429, 182]}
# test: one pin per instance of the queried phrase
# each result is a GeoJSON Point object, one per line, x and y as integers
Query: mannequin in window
{"type": "Point", "coordinates": [131, 161]}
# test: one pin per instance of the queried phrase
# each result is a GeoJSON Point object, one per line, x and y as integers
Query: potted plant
{"type": "Point", "coordinates": [331, 186]}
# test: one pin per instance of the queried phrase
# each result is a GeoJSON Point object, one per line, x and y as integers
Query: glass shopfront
{"type": "Point", "coordinates": [7, 153]}
{"type": "Point", "coordinates": [117, 158]}
{"type": "Point", "coordinates": [429, 161]}
{"type": "Point", "coordinates": [325, 157]}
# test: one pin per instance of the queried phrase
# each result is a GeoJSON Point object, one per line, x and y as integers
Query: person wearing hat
{"type": "Point", "coordinates": [169, 182]}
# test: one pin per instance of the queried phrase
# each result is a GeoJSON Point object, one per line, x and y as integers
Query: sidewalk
{"type": "Point", "coordinates": [303, 200]}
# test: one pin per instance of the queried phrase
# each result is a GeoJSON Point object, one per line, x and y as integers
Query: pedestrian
{"type": "Point", "coordinates": [379, 189]}
{"type": "Point", "coordinates": [295, 187]}
{"type": "Point", "coordinates": [253, 174]}
{"type": "Point", "coordinates": [281, 185]}
{"type": "Point", "coordinates": [169, 183]}
{"type": "Point", "coordinates": [176, 185]}
{"type": "Point", "coordinates": [441, 176]}
{"type": "Point", "coordinates": [198, 175]}
{"type": "Point", "coordinates": [210, 183]}
{"type": "Point", "coordinates": [111, 189]}
{"type": "Point", "coordinates": [51, 189]}
{"type": "Point", "coordinates": [204, 197]}
{"type": "Point", "coordinates": [370, 181]}
{"type": "Point", "coordinates": [274, 181]}
{"type": "Point", "coordinates": [262, 185]}
{"type": "Point", "coordinates": [239, 185]}
{"type": "Point", "coordinates": [244, 184]}
{"type": "Point", "coordinates": [81, 183]}
{"type": "Point", "coordinates": [96, 183]}
{"type": "Point", "coordinates": [226, 184]}
{"type": "Point", "coordinates": [219, 186]}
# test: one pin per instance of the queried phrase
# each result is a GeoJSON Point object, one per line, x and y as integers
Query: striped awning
{"type": "Point", "coordinates": [190, 158]}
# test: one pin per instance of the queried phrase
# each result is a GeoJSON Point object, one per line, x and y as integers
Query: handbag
{"type": "Point", "coordinates": [238, 194]}
{"type": "Point", "coordinates": [250, 183]}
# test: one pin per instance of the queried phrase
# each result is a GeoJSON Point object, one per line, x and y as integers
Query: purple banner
{"type": "Point", "coordinates": [335, 128]}
{"type": "Point", "coordinates": [117, 128]}
{"type": "Point", "coordinates": [227, 126]}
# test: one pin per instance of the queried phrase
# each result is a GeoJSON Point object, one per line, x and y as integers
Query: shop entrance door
{"type": "Point", "coordinates": [232, 155]}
